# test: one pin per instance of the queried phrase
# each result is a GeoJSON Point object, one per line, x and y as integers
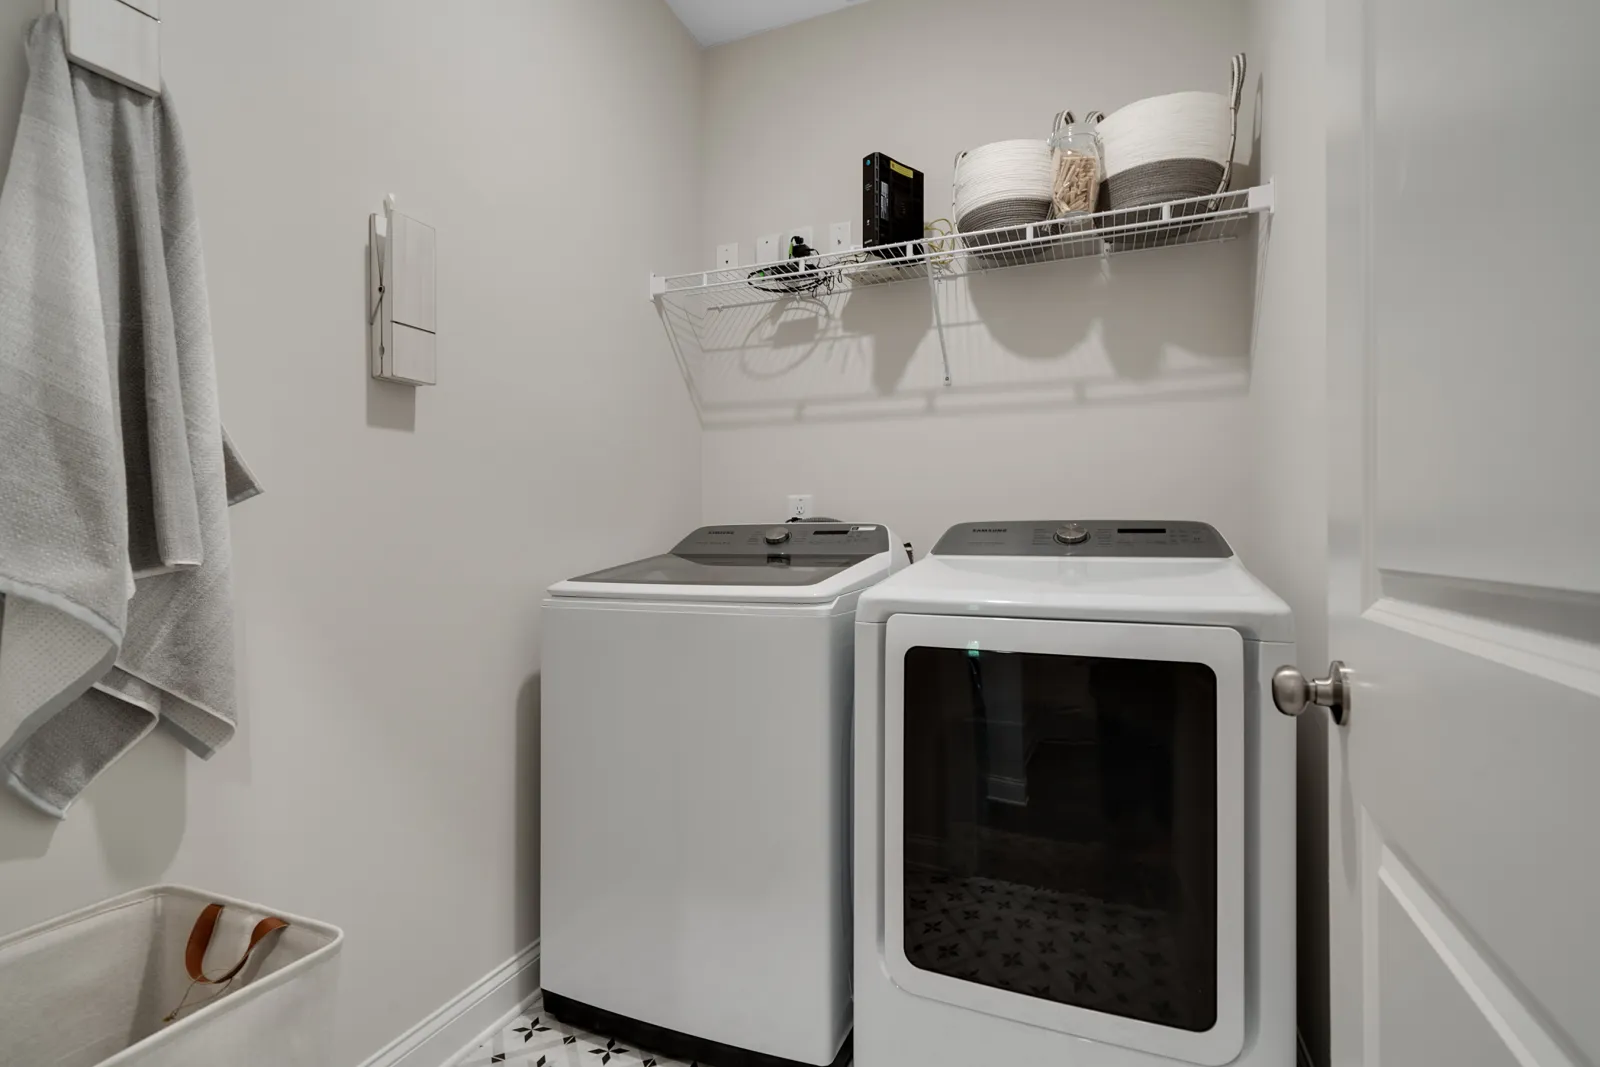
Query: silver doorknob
{"type": "Point", "coordinates": [1292, 693]}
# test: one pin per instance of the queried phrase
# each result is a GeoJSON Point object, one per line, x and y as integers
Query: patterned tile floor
{"type": "Point", "coordinates": [536, 1040]}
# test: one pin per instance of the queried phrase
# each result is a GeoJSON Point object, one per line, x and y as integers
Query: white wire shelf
{"type": "Point", "coordinates": [1178, 222]}
{"type": "Point", "coordinates": [935, 259]}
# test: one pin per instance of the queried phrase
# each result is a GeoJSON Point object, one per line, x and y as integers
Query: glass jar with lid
{"type": "Point", "coordinates": [1078, 163]}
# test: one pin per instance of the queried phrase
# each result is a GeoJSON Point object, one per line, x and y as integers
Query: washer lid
{"type": "Point", "coordinates": [1024, 571]}
{"type": "Point", "coordinates": [786, 561]}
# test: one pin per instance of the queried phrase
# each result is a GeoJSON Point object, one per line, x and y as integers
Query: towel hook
{"type": "Point", "coordinates": [120, 39]}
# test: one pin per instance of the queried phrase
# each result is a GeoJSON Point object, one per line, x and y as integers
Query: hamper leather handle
{"type": "Point", "coordinates": [194, 955]}
{"type": "Point", "coordinates": [194, 958]}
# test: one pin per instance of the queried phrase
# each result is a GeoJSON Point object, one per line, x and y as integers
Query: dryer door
{"type": "Point", "coordinates": [1064, 826]}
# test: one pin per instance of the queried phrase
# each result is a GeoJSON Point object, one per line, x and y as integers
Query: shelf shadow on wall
{"type": "Point", "coordinates": [791, 345]}
{"type": "Point", "coordinates": [1167, 325]}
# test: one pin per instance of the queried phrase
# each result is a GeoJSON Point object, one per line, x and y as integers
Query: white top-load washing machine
{"type": "Point", "coordinates": [1074, 804]}
{"type": "Point", "coordinates": [694, 753]}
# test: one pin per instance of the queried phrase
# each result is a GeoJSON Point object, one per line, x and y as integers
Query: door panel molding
{"type": "Point", "coordinates": [1575, 664]}
{"type": "Point", "coordinates": [1562, 613]}
{"type": "Point", "coordinates": [1526, 1039]}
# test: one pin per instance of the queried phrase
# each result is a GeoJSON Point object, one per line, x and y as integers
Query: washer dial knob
{"type": "Point", "coordinates": [1072, 534]}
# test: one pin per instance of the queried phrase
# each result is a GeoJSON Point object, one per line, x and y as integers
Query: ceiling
{"type": "Point", "coordinates": [719, 21]}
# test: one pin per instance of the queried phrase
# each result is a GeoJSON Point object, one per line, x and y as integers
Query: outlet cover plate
{"type": "Point", "coordinates": [839, 237]}
{"type": "Point", "coordinates": [728, 256]}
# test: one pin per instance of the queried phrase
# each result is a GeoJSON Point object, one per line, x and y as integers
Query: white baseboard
{"type": "Point", "coordinates": [448, 1034]}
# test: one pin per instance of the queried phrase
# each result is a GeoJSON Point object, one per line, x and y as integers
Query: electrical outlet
{"type": "Point", "coordinates": [804, 233]}
{"type": "Point", "coordinates": [767, 249]}
{"type": "Point", "coordinates": [802, 505]}
{"type": "Point", "coordinates": [728, 256]}
{"type": "Point", "coordinates": [839, 237]}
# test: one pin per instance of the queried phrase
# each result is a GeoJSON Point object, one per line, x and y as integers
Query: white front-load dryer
{"type": "Point", "coordinates": [1074, 804]}
{"type": "Point", "coordinates": [695, 762]}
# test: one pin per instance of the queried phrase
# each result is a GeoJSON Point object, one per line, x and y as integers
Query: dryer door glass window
{"type": "Point", "coordinates": [1060, 832]}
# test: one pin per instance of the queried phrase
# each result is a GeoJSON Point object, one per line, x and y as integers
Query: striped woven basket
{"type": "Point", "coordinates": [1172, 147]}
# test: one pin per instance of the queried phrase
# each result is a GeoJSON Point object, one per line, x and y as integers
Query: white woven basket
{"type": "Point", "coordinates": [1007, 183]}
{"type": "Point", "coordinates": [1172, 147]}
{"type": "Point", "coordinates": [92, 989]}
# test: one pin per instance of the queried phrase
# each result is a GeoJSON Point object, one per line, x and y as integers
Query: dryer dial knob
{"type": "Point", "coordinates": [1072, 534]}
{"type": "Point", "coordinates": [776, 536]}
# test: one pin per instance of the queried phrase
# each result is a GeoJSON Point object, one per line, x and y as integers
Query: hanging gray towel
{"type": "Point", "coordinates": [162, 511]}
{"type": "Point", "coordinates": [63, 498]}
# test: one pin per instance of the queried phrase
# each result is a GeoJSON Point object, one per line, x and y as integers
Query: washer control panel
{"type": "Point", "coordinates": [1125, 538]}
{"type": "Point", "coordinates": [794, 539]}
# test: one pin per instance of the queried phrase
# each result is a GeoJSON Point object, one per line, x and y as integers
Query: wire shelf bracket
{"type": "Point", "coordinates": [1197, 220]}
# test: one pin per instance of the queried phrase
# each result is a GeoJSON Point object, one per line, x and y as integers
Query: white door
{"type": "Point", "coordinates": [1464, 379]}
{"type": "Point", "coordinates": [1064, 826]}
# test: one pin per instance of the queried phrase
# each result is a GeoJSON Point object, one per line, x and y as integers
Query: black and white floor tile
{"type": "Point", "coordinates": [536, 1040]}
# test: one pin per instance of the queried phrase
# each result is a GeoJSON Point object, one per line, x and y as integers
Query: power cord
{"type": "Point", "coordinates": [941, 231]}
{"type": "Point", "coordinates": [814, 272]}
{"type": "Point", "coordinates": [793, 277]}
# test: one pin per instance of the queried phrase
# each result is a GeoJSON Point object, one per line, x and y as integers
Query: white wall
{"type": "Point", "coordinates": [389, 581]}
{"type": "Point", "coordinates": [1289, 427]}
{"type": "Point", "coordinates": [15, 17]}
{"type": "Point", "coordinates": [1080, 390]}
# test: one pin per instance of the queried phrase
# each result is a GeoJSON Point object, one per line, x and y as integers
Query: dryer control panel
{"type": "Point", "coordinates": [797, 540]}
{"type": "Point", "coordinates": [1125, 538]}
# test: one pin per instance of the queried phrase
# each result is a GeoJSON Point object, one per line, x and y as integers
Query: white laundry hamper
{"type": "Point", "coordinates": [92, 989]}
